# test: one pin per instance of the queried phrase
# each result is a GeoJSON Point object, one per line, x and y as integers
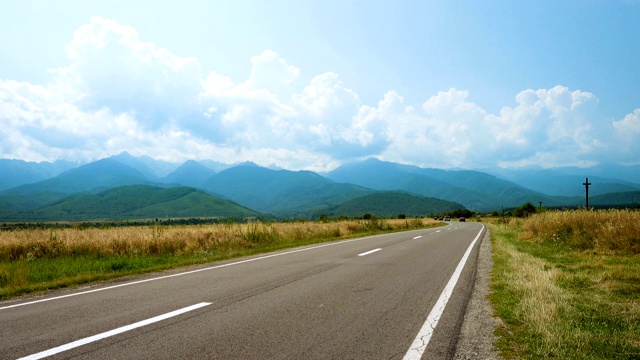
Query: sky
{"type": "Point", "coordinates": [316, 84]}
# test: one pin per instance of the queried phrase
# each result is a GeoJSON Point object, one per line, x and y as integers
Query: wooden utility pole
{"type": "Point", "coordinates": [586, 185]}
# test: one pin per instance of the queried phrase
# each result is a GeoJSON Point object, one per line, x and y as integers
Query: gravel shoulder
{"type": "Point", "coordinates": [476, 336]}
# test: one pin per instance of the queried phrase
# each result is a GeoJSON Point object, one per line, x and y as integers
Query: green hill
{"type": "Point", "coordinates": [281, 192]}
{"type": "Point", "coordinates": [392, 203]}
{"type": "Point", "coordinates": [629, 198]}
{"type": "Point", "coordinates": [134, 202]}
{"type": "Point", "coordinates": [18, 202]}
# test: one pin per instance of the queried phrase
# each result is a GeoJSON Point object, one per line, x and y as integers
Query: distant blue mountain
{"type": "Point", "coordinates": [17, 172]}
{"type": "Point", "coordinates": [567, 181]}
{"type": "Point", "coordinates": [475, 190]}
{"type": "Point", "coordinates": [191, 173]}
{"type": "Point", "coordinates": [292, 194]}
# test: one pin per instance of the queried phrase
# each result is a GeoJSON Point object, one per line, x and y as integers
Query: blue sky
{"type": "Point", "coordinates": [315, 84]}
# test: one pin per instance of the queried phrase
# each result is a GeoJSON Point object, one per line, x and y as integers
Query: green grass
{"type": "Point", "coordinates": [560, 302]}
{"type": "Point", "coordinates": [29, 276]}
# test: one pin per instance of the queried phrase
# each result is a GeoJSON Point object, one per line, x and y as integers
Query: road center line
{"type": "Point", "coordinates": [113, 332]}
{"type": "Point", "coordinates": [417, 237]}
{"type": "Point", "coordinates": [421, 341]}
{"type": "Point", "coordinates": [369, 252]}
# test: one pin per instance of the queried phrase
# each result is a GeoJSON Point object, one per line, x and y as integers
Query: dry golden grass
{"type": "Point", "coordinates": [604, 230]}
{"type": "Point", "coordinates": [566, 284]}
{"type": "Point", "coordinates": [540, 297]}
{"type": "Point", "coordinates": [175, 240]}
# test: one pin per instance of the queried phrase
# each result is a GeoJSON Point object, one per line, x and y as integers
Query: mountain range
{"type": "Point", "coordinates": [66, 191]}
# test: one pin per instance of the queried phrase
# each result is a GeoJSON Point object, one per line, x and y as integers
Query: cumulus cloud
{"type": "Point", "coordinates": [47, 127]}
{"type": "Point", "coordinates": [630, 125]}
{"type": "Point", "coordinates": [548, 127]}
{"type": "Point", "coordinates": [111, 67]}
{"type": "Point", "coordinates": [120, 92]}
{"type": "Point", "coordinates": [627, 137]}
{"type": "Point", "coordinates": [271, 72]}
{"type": "Point", "coordinates": [274, 113]}
{"type": "Point", "coordinates": [325, 98]}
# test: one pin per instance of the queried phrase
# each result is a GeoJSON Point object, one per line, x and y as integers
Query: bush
{"type": "Point", "coordinates": [525, 210]}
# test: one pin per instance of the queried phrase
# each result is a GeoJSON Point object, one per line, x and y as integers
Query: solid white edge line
{"type": "Point", "coordinates": [113, 332]}
{"type": "Point", "coordinates": [189, 272]}
{"type": "Point", "coordinates": [421, 341]}
{"type": "Point", "coordinates": [369, 252]}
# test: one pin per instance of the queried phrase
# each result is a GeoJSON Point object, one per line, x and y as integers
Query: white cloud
{"type": "Point", "coordinates": [630, 125]}
{"type": "Point", "coordinates": [111, 67]}
{"type": "Point", "coordinates": [276, 113]}
{"type": "Point", "coordinates": [271, 72]}
{"type": "Point", "coordinates": [371, 126]}
{"type": "Point", "coordinates": [548, 127]}
{"type": "Point", "coordinates": [627, 138]}
{"type": "Point", "coordinates": [122, 93]}
{"type": "Point", "coordinates": [551, 127]}
{"type": "Point", "coordinates": [38, 120]}
{"type": "Point", "coordinates": [443, 134]}
{"type": "Point", "coordinates": [327, 99]}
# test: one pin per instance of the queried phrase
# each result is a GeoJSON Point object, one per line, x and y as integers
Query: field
{"type": "Point", "coordinates": [35, 260]}
{"type": "Point", "coordinates": [566, 285]}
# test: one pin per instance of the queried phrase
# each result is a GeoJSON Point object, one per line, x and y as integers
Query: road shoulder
{"type": "Point", "coordinates": [476, 334]}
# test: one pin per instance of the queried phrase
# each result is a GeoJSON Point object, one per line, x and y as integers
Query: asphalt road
{"type": "Point", "coordinates": [366, 298]}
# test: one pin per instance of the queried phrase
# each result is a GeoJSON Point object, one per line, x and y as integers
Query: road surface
{"type": "Point", "coordinates": [380, 297]}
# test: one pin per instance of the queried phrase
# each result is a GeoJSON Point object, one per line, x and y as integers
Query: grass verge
{"type": "Point", "coordinates": [37, 260]}
{"type": "Point", "coordinates": [566, 297]}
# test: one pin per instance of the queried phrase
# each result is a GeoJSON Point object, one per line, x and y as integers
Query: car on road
{"type": "Point", "coordinates": [462, 219]}
{"type": "Point", "coordinates": [447, 218]}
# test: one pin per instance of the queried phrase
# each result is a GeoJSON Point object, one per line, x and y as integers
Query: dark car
{"type": "Point", "coordinates": [462, 219]}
